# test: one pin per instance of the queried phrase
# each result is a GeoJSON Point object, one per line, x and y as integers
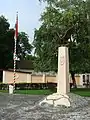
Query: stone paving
{"type": "Point", "coordinates": [26, 107]}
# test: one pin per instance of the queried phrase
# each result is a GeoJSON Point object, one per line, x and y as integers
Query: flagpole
{"type": "Point", "coordinates": [14, 76]}
{"type": "Point", "coordinates": [15, 47]}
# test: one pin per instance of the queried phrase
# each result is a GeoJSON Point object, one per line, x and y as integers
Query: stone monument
{"type": "Point", "coordinates": [61, 97]}
{"type": "Point", "coordinates": [63, 71]}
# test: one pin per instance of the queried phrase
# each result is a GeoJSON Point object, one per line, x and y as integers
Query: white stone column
{"type": "Point", "coordinates": [4, 76]}
{"type": "Point", "coordinates": [29, 78]}
{"type": "Point", "coordinates": [44, 78]}
{"type": "Point", "coordinates": [63, 71]}
{"type": "Point", "coordinates": [11, 89]}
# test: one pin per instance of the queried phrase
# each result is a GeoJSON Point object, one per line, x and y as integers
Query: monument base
{"type": "Point", "coordinates": [56, 100]}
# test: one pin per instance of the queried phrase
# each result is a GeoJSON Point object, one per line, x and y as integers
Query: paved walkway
{"type": "Point", "coordinates": [25, 107]}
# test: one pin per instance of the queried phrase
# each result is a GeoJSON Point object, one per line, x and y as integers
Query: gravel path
{"type": "Point", "coordinates": [26, 107]}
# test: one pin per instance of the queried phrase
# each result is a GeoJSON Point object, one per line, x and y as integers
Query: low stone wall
{"type": "Point", "coordinates": [26, 77]}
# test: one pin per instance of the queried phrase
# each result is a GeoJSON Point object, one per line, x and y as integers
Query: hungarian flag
{"type": "Point", "coordinates": [16, 28]}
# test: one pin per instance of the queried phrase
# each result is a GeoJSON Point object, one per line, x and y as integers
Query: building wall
{"type": "Point", "coordinates": [8, 77]}
{"type": "Point", "coordinates": [77, 77]}
{"type": "Point", "coordinates": [27, 78]}
{"type": "Point", "coordinates": [33, 78]}
{"type": "Point", "coordinates": [37, 78]}
{"type": "Point", "coordinates": [51, 79]}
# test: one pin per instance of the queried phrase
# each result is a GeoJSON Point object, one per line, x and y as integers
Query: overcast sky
{"type": "Point", "coordinates": [29, 12]}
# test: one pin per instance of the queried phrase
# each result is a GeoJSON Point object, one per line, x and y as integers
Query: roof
{"type": "Point", "coordinates": [20, 71]}
{"type": "Point", "coordinates": [25, 64]}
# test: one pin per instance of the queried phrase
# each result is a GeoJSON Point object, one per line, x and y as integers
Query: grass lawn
{"type": "Point", "coordinates": [34, 92]}
{"type": "Point", "coordinates": [85, 92]}
{"type": "Point", "coordinates": [31, 92]}
{"type": "Point", "coordinates": [4, 91]}
{"type": "Point", "coordinates": [80, 91]}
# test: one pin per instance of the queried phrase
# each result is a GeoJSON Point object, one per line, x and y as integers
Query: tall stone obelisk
{"type": "Point", "coordinates": [63, 71]}
{"type": "Point", "coordinates": [61, 97]}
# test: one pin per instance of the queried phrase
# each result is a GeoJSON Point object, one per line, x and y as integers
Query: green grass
{"type": "Point", "coordinates": [4, 91]}
{"type": "Point", "coordinates": [80, 91]}
{"type": "Point", "coordinates": [85, 92]}
{"type": "Point", "coordinates": [34, 92]}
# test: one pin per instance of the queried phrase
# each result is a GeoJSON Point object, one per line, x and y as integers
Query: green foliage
{"type": "Point", "coordinates": [64, 23]}
{"type": "Point", "coordinates": [7, 44]}
{"type": "Point", "coordinates": [23, 46]}
{"type": "Point", "coordinates": [4, 25]}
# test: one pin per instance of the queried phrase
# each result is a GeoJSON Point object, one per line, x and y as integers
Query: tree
{"type": "Point", "coordinates": [64, 22]}
{"type": "Point", "coordinates": [23, 46]}
{"type": "Point", "coordinates": [7, 44]}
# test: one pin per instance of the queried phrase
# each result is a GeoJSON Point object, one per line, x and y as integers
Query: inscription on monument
{"type": "Point", "coordinates": [62, 60]}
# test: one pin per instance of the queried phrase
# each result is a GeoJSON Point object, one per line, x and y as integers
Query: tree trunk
{"type": "Point", "coordinates": [73, 79]}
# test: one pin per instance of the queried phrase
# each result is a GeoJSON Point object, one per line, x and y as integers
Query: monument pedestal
{"type": "Point", "coordinates": [56, 100]}
{"type": "Point", "coordinates": [61, 97]}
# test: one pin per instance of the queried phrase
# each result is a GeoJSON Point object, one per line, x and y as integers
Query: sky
{"type": "Point", "coordinates": [29, 12]}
